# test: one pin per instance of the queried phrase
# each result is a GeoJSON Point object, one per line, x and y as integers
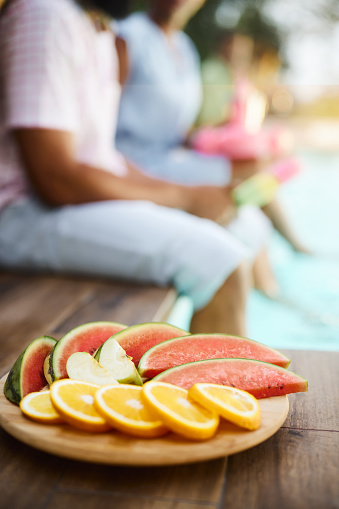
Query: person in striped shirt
{"type": "Point", "coordinates": [69, 202]}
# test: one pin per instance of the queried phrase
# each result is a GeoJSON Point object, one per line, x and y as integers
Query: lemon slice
{"type": "Point", "coordinates": [180, 413]}
{"type": "Point", "coordinates": [232, 404]}
{"type": "Point", "coordinates": [38, 407]}
{"type": "Point", "coordinates": [74, 400]}
{"type": "Point", "coordinates": [124, 408]}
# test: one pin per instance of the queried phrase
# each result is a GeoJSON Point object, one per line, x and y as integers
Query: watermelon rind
{"type": "Point", "coordinates": [13, 388]}
{"type": "Point", "coordinates": [72, 342]}
{"type": "Point", "coordinates": [176, 376]}
{"type": "Point", "coordinates": [142, 343]}
{"type": "Point", "coordinates": [147, 371]}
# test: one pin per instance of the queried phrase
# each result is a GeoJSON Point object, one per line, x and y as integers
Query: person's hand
{"type": "Point", "coordinates": [213, 203]}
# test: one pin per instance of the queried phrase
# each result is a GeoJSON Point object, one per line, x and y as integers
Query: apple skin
{"type": "Point", "coordinates": [114, 358]}
{"type": "Point", "coordinates": [82, 366]}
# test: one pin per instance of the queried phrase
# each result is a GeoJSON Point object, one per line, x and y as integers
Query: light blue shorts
{"type": "Point", "coordinates": [130, 240]}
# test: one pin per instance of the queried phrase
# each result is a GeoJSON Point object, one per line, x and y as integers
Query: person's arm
{"type": "Point", "coordinates": [122, 52]}
{"type": "Point", "coordinates": [58, 179]}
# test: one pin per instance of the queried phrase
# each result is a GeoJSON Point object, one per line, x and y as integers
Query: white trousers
{"type": "Point", "coordinates": [131, 240]}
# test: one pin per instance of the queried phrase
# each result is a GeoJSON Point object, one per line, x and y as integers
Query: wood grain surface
{"type": "Point", "coordinates": [319, 410]}
{"type": "Point", "coordinates": [34, 305]}
{"type": "Point", "coordinates": [297, 468]}
{"type": "Point", "coordinates": [293, 470]}
{"type": "Point", "coordinates": [116, 448]}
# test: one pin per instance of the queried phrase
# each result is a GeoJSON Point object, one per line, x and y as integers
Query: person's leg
{"type": "Point", "coordinates": [263, 278]}
{"type": "Point", "coordinates": [228, 305]}
{"type": "Point", "coordinates": [277, 215]}
{"type": "Point", "coordinates": [137, 241]}
{"type": "Point", "coordinates": [253, 229]}
{"type": "Point", "coordinates": [242, 170]}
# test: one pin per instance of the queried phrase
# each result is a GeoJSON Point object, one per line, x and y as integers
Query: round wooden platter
{"type": "Point", "coordinates": [115, 448]}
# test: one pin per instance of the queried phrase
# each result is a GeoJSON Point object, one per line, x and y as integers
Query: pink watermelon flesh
{"type": "Point", "coordinates": [205, 346]}
{"type": "Point", "coordinates": [87, 339]}
{"type": "Point", "coordinates": [136, 340]}
{"type": "Point", "coordinates": [261, 379]}
{"type": "Point", "coordinates": [32, 375]}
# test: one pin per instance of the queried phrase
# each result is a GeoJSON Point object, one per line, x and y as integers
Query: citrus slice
{"type": "Point", "coordinates": [180, 413]}
{"type": "Point", "coordinates": [123, 407]}
{"type": "Point", "coordinates": [232, 404]}
{"type": "Point", "coordinates": [74, 400]}
{"type": "Point", "coordinates": [38, 407]}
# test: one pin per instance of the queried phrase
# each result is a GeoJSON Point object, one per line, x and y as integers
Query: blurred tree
{"type": "Point", "coordinates": [203, 28]}
{"type": "Point", "coordinates": [248, 19]}
{"type": "Point", "coordinates": [254, 24]}
{"type": "Point", "coordinates": [327, 10]}
{"type": "Point", "coordinates": [138, 5]}
{"type": "Point", "coordinates": [253, 18]}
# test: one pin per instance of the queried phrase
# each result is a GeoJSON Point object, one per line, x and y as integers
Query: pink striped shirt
{"type": "Point", "coordinates": [56, 72]}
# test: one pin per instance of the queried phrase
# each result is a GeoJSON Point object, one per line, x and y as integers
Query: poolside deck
{"type": "Point", "coordinates": [297, 468]}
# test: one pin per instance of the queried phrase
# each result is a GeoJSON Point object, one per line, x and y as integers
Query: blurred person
{"type": "Point", "coordinates": [160, 100]}
{"type": "Point", "coordinates": [232, 101]}
{"type": "Point", "coordinates": [232, 52]}
{"type": "Point", "coordinates": [232, 114]}
{"type": "Point", "coordinates": [70, 202]}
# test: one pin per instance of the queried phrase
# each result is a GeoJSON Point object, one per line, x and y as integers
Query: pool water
{"type": "Point", "coordinates": [307, 314]}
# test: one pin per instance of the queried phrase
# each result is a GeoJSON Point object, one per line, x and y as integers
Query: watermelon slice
{"type": "Point", "coordinates": [196, 347]}
{"type": "Point", "coordinates": [136, 340]}
{"type": "Point", "coordinates": [27, 374]}
{"type": "Point", "coordinates": [85, 338]}
{"type": "Point", "coordinates": [261, 379]}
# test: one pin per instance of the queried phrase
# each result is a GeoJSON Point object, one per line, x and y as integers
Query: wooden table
{"type": "Point", "coordinates": [297, 468]}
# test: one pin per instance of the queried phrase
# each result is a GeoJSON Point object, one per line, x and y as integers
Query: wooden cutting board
{"type": "Point", "coordinates": [116, 448]}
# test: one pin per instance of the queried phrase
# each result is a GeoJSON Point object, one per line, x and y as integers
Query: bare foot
{"type": "Point", "coordinates": [300, 248]}
{"type": "Point", "coordinates": [270, 289]}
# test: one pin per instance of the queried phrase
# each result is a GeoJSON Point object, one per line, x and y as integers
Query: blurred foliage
{"type": "Point", "coordinates": [202, 28]}
{"type": "Point", "coordinates": [205, 28]}
{"type": "Point", "coordinates": [254, 24]}
{"type": "Point", "coordinates": [137, 5]}
{"type": "Point", "coordinates": [208, 25]}
{"type": "Point", "coordinates": [327, 10]}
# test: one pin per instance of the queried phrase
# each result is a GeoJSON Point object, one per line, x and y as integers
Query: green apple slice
{"type": "Point", "coordinates": [114, 358]}
{"type": "Point", "coordinates": [82, 366]}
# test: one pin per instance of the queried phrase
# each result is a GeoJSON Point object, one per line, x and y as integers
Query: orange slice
{"type": "Point", "coordinates": [232, 404]}
{"type": "Point", "coordinates": [74, 400]}
{"type": "Point", "coordinates": [123, 407]}
{"type": "Point", "coordinates": [179, 413]}
{"type": "Point", "coordinates": [38, 407]}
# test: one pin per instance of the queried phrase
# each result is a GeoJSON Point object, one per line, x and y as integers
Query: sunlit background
{"type": "Point", "coordinates": [295, 65]}
{"type": "Point", "coordinates": [305, 35]}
